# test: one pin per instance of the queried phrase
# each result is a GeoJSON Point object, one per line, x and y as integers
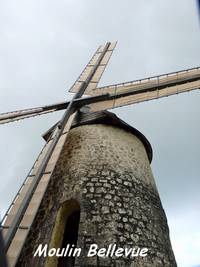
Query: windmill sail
{"type": "Point", "coordinates": [18, 220]}
{"type": "Point", "coordinates": [147, 89]}
{"type": "Point", "coordinates": [20, 115]}
{"type": "Point", "coordinates": [27, 218]}
{"type": "Point", "coordinates": [31, 112]}
{"type": "Point", "coordinates": [96, 67]}
{"type": "Point", "coordinates": [90, 67]}
{"type": "Point", "coordinates": [120, 94]}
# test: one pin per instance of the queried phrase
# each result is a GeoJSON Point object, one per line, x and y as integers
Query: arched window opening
{"type": "Point", "coordinates": [70, 238]}
{"type": "Point", "coordinates": [65, 234]}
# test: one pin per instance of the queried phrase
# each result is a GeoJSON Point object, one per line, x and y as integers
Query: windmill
{"type": "Point", "coordinates": [89, 103]}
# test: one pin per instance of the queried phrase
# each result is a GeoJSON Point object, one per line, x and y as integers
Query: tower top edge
{"type": "Point", "coordinates": [84, 117]}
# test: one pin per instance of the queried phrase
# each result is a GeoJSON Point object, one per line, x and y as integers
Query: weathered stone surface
{"type": "Point", "coordinates": [105, 169]}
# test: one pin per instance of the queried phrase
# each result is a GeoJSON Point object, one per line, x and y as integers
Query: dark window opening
{"type": "Point", "coordinates": [70, 237]}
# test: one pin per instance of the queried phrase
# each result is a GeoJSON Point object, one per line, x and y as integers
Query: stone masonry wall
{"type": "Point", "coordinates": [105, 169]}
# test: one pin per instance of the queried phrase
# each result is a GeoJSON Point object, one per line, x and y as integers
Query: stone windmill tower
{"type": "Point", "coordinates": [92, 183]}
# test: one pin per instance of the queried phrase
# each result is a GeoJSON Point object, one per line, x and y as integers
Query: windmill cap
{"type": "Point", "coordinates": [108, 118]}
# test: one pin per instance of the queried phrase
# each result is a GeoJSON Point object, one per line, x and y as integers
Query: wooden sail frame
{"type": "Point", "coordinates": [19, 219]}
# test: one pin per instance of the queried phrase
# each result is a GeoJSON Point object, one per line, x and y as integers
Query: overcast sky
{"type": "Point", "coordinates": [44, 47]}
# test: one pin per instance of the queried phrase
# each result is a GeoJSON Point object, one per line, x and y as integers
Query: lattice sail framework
{"type": "Point", "coordinates": [19, 218]}
{"type": "Point", "coordinates": [38, 187]}
{"type": "Point", "coordinates": [90, 67]}
{"type": "Point", "coordinates": [121, 94]}
{"type": "Point", "coordinates": [94, 68]}
{"type": "Point", "coordinates": [147, 89]}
